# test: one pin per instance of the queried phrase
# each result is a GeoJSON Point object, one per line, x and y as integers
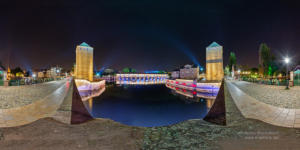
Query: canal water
{"type": "Point", "coordinates": [146, 105]}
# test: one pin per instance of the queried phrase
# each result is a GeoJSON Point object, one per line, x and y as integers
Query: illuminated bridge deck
{"type": "Point", "coordinates": [141, 79]}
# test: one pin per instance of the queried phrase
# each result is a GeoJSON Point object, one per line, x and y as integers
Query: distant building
{"type": "Point", "coordinates": [41, 74]}
{"type": "Point", "coordinates": [84, 62]}
{"type": "Point", "coordinates": [109, 78]}
{"type": "Point", "coordinates": [2, 74]}
{"type": "Point", "coordinates": [53, 72]}
{"type": "Point", "coordinates": [295, 76]}
{"type": "Point", "coordinates": [38, 73]}
{"type": "Point", "coordinates": [108, 71]}
{"type": "Point", "coordinates": [175, 74]}
{"type": "Point", "coordinates": [214, 62]}
{"type": "Point", "coordinates": [189, 72]}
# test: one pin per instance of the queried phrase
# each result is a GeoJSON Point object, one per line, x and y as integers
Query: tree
{"type": "Point", "coordinates": [19, 74]}
{"type": "Point", "coordinates": [254, 70]}
{"type": "Point", "coordinates": [16, 70]}
{"type": "Point", "coordinates": [227, 71]}
{"type": "Point", "coordinates": [133, 70]}
{"type": "Point", "coordinates": [268, 65]}
{"type": "Point", "coordinates": [265, 54]}
{"type": "Point", "coordinates": [126, 70]}
{"type": "Point", "coordinates": [232, 61]}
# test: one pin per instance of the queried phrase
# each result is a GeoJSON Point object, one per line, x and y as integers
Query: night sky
{"type": "Point", "coordinates": [145, 34]}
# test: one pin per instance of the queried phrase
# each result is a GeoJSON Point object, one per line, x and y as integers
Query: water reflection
{"type": "Point", "coordinates": [90, 104]}
{"type": "Point", "coordinates": [147, 106]}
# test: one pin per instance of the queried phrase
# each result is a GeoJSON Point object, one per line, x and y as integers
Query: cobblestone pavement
{"type": "Point", "coordinates": [273, 95]}
{"type": "Point", "coordinates": [45, 107]}
{"type": "Point", "coordinates": [255, 109]}
{"type": "Point", "coordinates": [15, 96]}
{"type": "Point", "coordinates": [48, 134]}
{"type": "Point", "coordinates": [239, 133]}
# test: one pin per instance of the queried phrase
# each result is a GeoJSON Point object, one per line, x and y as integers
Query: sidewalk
{"type": "Point", "coordinates": [45, 107]}
{"type": "Point", "coordinates": [255, 109]}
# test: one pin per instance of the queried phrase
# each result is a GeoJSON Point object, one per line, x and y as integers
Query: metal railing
{"type": "Point", "coordinates": [26, 81]}
{"type": "Point", "coordinates": [277, 82]}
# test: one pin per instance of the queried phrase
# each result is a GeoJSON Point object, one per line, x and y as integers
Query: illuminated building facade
{"type": "Point", "coordinates": [54, 72]}
{"type": "Point", "coordinates": [84, 62]}
{"type": "Point", "coordinates": [175, 74]}
{"type": "Point", "coordinates": [214, 62]}
{"type": "Point", "coordinates": [189, 72]}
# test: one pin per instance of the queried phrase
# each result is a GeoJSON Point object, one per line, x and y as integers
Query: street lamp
{"type": "Point", "coordinates": [287, 61]}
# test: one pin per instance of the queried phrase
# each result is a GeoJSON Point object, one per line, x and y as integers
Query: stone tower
{"type": "Point", "coordinates": [84, 62]}
{"type": "Point", "coordinates": [214, 62]}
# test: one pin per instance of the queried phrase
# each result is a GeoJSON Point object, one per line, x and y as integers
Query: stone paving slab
{"type": "Point", "coordinates": [45, 107]}
{"type": "Point", "coordinates": [256, 109]}
{"type": "Point", "coordinates": [16, 96]}
{"type": "Point", "coordinates": [272, 94]}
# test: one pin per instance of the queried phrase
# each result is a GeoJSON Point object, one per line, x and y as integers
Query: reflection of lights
{"type": "Point", "coordinates": [177, 82]}
{"type": "Point", "coordinates": [194, 92]}
{"type": "Point", "coordinates": [193, 85]}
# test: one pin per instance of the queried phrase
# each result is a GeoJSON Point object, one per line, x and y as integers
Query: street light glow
{"type": "Point", "coordinates": [286, 60]}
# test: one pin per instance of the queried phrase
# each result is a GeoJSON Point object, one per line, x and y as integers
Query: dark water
{"type": "Point", "coordinates": [145, 105]}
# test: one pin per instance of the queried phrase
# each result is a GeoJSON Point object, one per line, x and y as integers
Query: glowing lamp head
{"type": "Point", "coordinates": [287, 60]}
{"type": "Point", "coordinates": [33, 75]}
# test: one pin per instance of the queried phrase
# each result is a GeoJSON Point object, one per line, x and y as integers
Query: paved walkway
{"type": "Point", "coordinates": [42, 108]}
{"type": "Point", "coordinates": [255, 109]}
{"type": "Point", "coordinates": [16, 96]}
{"type": "Point", "coordinates": [271, 94]}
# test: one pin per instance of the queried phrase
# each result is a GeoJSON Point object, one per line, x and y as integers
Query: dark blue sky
{"type": "Point", "coordinates": [144, 34]}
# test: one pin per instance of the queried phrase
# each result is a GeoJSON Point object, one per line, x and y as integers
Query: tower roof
{"type": "Point", "coordinates": [214, 44]}
{"type": "Point", "coordinates": [84, 44]}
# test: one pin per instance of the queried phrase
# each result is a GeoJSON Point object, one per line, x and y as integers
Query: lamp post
{"type": "Point", "coordinates": [287, 60]}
